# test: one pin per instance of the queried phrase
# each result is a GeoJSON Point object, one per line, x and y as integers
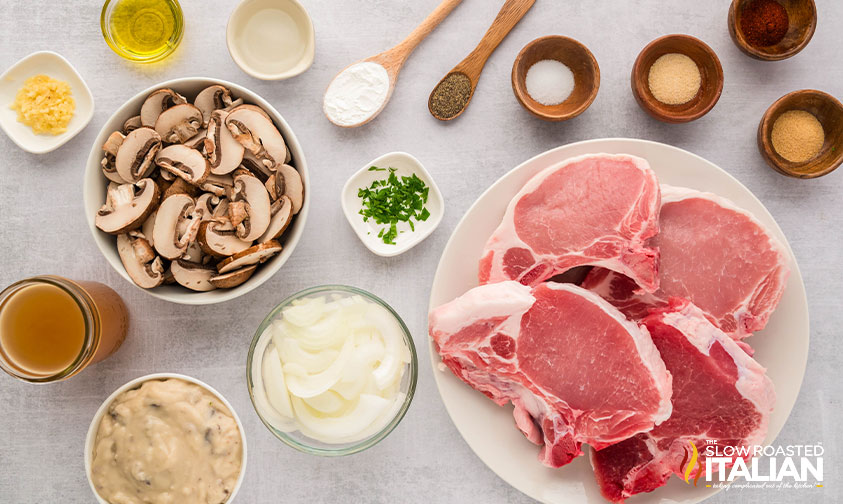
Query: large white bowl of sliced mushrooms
{"type": "Point", "coordinates": [196, 190]}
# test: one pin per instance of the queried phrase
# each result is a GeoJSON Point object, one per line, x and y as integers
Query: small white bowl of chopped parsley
{"type": "Point", "coordinates": [392, 204]}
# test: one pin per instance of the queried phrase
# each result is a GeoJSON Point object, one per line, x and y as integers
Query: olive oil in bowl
{"type": "Point", "coordinates": [142, 30]}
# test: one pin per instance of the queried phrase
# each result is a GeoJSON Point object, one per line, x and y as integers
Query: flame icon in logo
{"type": "Point", "coordinates": [688, 466]}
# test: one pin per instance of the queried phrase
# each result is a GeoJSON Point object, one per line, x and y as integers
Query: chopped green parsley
{"type": "Point", "coordinates": [392, 200]}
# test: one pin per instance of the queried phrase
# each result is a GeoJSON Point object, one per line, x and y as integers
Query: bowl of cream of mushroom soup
{"type": "Point", "coordinates": [165, 438]}
{"type": "Point", "coordinates": [196, 190]}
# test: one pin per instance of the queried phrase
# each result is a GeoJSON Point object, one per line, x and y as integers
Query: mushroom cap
{"type": "Point", "coordinates": [192, 275]}
{"type": "Point", "coordinates": [146, 274]}
{"type": "Point", "coordinates": [157, 102]}
{"type": "Point", "coordinates": [224, 152]}
{"type": "Point", "coordinates": [136, 154]}
{"type": "Point", "coordinates": [219, 239]}
{"type": "Point", "coordinates": [281, 217]}
{"type": "Point", "coordinates": [233, 278]}
{"type": "Point", "coordinates": [125, 208]}
{"type": "Point", "coordinates": [293, 186]}
{"type": "Point", "coordinates": [253, 128]}
{"type": "Point", "coordinates": [179, 123]}
{"type": "Point", "coordinates": [255, 254]}
{"type": "Point", "coordinates": [132, 124]}
{"type": "Point", "coordinates": [170, 237]}
{"type": "Point", "coordinates": [185, 162]}
{"type": "Point", "coordinates": [212, 98]}
{"type": "Point", "coordinates": [249, 189]}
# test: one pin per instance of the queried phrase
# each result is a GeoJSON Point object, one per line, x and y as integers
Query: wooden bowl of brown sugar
{"type": "Point", "coordinates": [801, 134]}
{"type": "Point", "coordinates": [772, 30]}
{"type": "Point", "coordinates": [677, 78]}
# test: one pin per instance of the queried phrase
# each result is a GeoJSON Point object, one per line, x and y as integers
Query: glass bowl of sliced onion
{"type": "Point", "coordinates": [332, 370]}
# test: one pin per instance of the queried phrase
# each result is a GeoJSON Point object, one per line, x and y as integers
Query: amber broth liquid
{"type": "Point", "coordinates": [42, 329]}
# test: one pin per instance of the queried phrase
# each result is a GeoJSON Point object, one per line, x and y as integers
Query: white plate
{"type": "Point", "coordinates": [490, 431]}
{"type": "Point", "coordinates": [405, 165]}
{"type": "Point", "coordinates": [55, 66]}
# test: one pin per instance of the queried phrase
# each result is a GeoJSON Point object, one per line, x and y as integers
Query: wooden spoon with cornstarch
{"type": "Point", "coordinates": [359, 93]}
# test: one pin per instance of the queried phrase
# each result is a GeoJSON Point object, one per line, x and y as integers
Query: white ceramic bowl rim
{"type": "Point", "coordinates": [298, 68]}
{"type": "Point", "coordinates": [132, 384]}
{"type": "Point", "coordinates": [93, 198]}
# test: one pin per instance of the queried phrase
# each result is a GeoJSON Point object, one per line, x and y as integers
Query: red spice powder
{"type": "Point", "coordinates": [764, 23]}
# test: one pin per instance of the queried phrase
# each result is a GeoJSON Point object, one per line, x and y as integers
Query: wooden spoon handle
{"type": "Point", "coordinates": [509, 15]}
{"type": "Point", "coordinates": [402, 51]}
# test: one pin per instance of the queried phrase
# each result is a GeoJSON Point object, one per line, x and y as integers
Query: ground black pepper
{"type": "Point", "coordinates": [451, 95]}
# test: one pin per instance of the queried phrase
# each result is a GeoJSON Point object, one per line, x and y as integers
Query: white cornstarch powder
{"type": "Point", "coordinates": [549, 82]}
{"type": "Point", "coordinates": [356, 94]}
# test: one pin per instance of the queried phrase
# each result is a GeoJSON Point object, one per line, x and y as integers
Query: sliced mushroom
{"type": "Point", "coordinates": [192, 275]}
{"type": "Point", "coordinates": [148, 226]}
{"type": "Point", "coordinates": [219, 239]}
{"type": "Point", "coordinates": [179, 124]}
{"type": "Point", "coordinates": [157, 102]}
{"type": "Point", "coordinates": [176, 225]}
{"type": "Point", "coordinates": [253, 128]}
{"type": "Point", "coordinates": [235, 103]}
{"type": "Point", "coordinates": [249, 190]}
{"type": "Point", "coordinates": [185, 162]}
{"type": "Point", "coordinates": [181, 186]}
{"type": "Point", "coordinates": [255, 166]}
{"type": "Point", "coordinates": [134, 159]}
{"type": "Point", "coordinates": [132, 124]}
{"type": "Point", "coordinates": [224, 152]}
{"type": "Point", "coordinates": [146, 272]}
{"type": "Point", "coordinates": [293, 187]}
{"type": "Point", "coordinates": [198, 140]}
{"type": "Point", "coordinates": [212, 98]}
{"type": "Point", "coordinates": [168, 176]}
{"type": "Point", "coordinates": [127, 206]}
{"type": "Point", "coordinates": [252, 255]}
{"type": "Point", "coordinates": [282, 215]}
{"type": "Point", "coordinates": [234, 278]}
{"type": "Point", "coordinates": [218, 184]}
{"type": "Point", "coordinates": [194, 253]}
{"type": "Point", "coordinates": [110, 148]}
{"type": "Point", "coordinates": [208, 204]}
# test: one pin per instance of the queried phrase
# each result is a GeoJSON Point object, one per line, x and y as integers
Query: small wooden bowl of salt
{"type": "Point", "coordinates": [555, 78]}
{"type": "Point", "coordinates": [801, 134]}
{"type": "Point", "coordinates": [677, 78]}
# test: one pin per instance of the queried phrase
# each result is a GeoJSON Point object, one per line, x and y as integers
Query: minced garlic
{"type": "Point", "coordinates": [45, 105]}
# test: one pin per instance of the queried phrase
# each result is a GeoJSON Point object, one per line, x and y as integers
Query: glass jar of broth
{"type": "Point", "coordinates": [51, 328]}
{"type": "Point", "coordinates": [142, 30]}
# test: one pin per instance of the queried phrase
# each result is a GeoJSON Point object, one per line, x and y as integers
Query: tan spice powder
{"type": "Point", "coordinates": [797, 136]}
{"type": "Point", "coordinates": [451, 95]}
{"type": "Point", "coordinates": [674, 79]}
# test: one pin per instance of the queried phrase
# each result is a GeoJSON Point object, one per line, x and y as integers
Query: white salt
{"type": "Point", "coordinates": [550, 82]}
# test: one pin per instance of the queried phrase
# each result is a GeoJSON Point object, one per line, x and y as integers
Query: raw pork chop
{"type": "Point", "coordinates": [574, 368]}
{"type": "Point", "coordinates": [596, 210]}
{"type": "Point", "coordinates": [713, 254]}
{"type": "Point", "coordinates": [721, 395]}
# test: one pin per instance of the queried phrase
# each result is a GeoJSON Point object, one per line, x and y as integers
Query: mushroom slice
{"type": "Point", "coordinates": [185, 162]}
{"type": "Point", "coordinates": [194, 253]}
{"type": "Point", "coordinates": [282, 215]}
{"type": "Point", "coordinates": [212, 98]}
{"type": "Point", "coordinates": [218, 238]}
{"type": "Point", "coordinates": [135, 156]}
{"type": "Point", "coordinates": [293, 187]}
{"type": "Point", "coordinates": [180, 186]}
{"type": "Point", "coordinates": [254, 165]}
{"type": "Point", "coordinates": [197, 141]}
{"type": "Point", "coordinates": [176, 225]}
{"type": "Point", "coordinates": [234, 103]}
{"type": "Point", "coordinates": [145, 272]}
{"type": "Point", "coordinates": [253, 128]}
{"type": "Point", "coordinates": [132, 124]}
{"type": "Point", "coordinates": [179, 124]}
{"type": "Point", "coordinates": [218, 184]}
{"type": "Point", "coordinates": [234, 278]}
{"type": "Point", "coordinates": [252, 255]}
{"type": "Point", "coordinates": [157, 102]}
{"type": "Point", "coordinates": [127, 206]}
{"type": "Point", "coordinates": [249, 191]}
{"type": "Point", "coordinates": [208, 204]}
{"type": "Point", "coordinates": [194, 276]}
{"type": "Point", "coordinates": [110, 148]}
{"type": "Point", "coordinates": [224, 152]}
{"type": "Point", "coordinates": [148, 226]}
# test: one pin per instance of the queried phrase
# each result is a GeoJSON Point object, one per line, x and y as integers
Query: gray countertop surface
{"type": "Point", "coordinates": [424, 460]}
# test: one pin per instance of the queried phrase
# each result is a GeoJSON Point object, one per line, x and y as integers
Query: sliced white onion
{"type": "Point", "coordinates": [274, 383]}
{"type": "Point", "coordinates": [314, 384]}
{"type": "Point", "coordinates": [368, 409]}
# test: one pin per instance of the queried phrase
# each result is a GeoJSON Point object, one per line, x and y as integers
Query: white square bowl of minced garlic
{"type": "Point", "coordinates": [44, 102]}
{"type": "Point", "coordinates": [392, 204]}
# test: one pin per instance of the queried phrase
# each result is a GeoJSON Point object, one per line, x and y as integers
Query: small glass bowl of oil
{"type": "Point", "coordinates": [142, 30]}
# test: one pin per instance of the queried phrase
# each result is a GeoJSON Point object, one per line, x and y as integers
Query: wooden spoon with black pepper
{"type": "Point", "coordinates": [452, 94]}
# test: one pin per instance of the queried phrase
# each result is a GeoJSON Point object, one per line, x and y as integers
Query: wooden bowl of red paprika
{"type": "Point", "coordinates": [772, 30]}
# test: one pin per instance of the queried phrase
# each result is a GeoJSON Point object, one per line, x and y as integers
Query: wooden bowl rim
{"type": "Point", "coordinates": [653, 107]}
{"type": "Point", "coordinates": [527, 101]}
{"type": "Point", "coordinates": [759, 53]}
{"type": "Point", "coordinates": [773, 158]}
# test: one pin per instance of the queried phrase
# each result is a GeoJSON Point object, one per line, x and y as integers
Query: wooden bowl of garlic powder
{"type": "Point", "coordinates": [165, 436]}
